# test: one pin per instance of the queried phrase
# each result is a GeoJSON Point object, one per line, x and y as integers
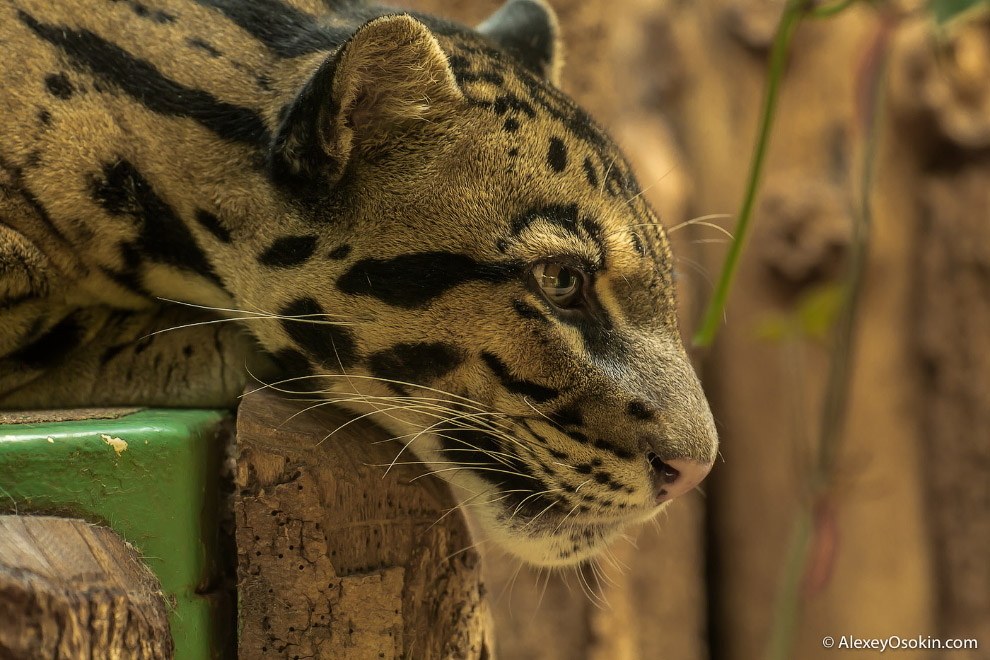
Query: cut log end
{"type": "Point", "coordinates": [69, 589]}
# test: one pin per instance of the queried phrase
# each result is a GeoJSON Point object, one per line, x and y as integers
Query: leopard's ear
{"type": "Point", "coordinates": [391, 73]}
{"type": "Point", "coordinates": [528, 30]}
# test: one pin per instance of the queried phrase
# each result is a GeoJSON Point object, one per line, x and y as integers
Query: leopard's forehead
{"type": "Point", "coordinates": [552, 180]}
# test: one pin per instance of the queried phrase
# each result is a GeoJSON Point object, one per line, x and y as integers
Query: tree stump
{"type": "Point", "coordinates": [339, 559]}
{"type": "Point", "coordinates": [72, 590]}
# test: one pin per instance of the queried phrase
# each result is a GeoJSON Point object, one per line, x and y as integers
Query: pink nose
{"type": "Point", "coordinates": [674, 477]}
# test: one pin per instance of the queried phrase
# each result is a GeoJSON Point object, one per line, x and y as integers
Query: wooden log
{"type": "Point", "coordinates": [69, 590]}
{"type": "Point", "coordinates": [336, 558]}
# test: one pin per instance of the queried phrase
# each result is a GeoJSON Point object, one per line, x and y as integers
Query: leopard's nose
{"type": "Point", "coordinates": [676, 476]}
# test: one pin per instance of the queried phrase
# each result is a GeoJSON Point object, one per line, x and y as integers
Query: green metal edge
{"type": "Point", "coordinates": [160, 493]}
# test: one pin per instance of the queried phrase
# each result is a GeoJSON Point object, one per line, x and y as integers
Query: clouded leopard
{"type": "Point", "coordinates": [399, 212]}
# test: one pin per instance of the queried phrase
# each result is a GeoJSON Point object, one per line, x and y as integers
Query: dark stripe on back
{"type": "Point", "coordinates": [288, 251]}
{"type": "Point", "coordinates": [535, 391]}
{"type": "Point", "coordinates": [418, 363]}
{"type": "Point", "coordinates": [414, 280]}
{"type": "Point", "coordinates": [53, 346]}
{"type": "Point", "coordinates": [162, 236]}
{"type": "Point", "coordinates": [285, 30]}
{"type": "Point", "coordinates": [140, 80]}
{"type": "Point", "coordinates": [331, 344]}
{"type": "Point", "coordinates": [212, 223]}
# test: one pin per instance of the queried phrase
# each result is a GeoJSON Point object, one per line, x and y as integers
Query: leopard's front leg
{"type": "Point", "coordinates": [98, 356]}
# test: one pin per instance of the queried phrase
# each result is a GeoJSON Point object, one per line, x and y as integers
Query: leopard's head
{"type": "Point", "coordinates": [504, 289]}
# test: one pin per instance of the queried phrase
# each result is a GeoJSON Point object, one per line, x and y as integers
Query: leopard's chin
{"type": "Point", "coordinates": [549, 542]}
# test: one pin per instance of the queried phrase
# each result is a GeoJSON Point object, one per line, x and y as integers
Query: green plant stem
{"type": "Point", "coordinates": [787, 613]}
{"type": "Point", "coordinates": [778, 58]}
{"type": "Point", "coordinates": [831, 10]}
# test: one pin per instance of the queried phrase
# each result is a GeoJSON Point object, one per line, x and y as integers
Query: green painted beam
{"type": "Point", "coordinates": [151, 476]}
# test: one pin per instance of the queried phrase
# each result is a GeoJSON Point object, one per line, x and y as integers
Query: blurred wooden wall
{"type": "Point", "coordinates": [903, 547]}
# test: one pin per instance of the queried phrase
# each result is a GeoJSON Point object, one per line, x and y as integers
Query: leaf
{"type": "Point", "coordinates": [947, 10]}
{"type": "Point", "coordinates": [818, 309]}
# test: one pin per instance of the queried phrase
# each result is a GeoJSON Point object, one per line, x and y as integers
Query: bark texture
{"type": "Point", "coordinates": [339, 560]}
{"type": "Point", "coordinates": [71, 590]}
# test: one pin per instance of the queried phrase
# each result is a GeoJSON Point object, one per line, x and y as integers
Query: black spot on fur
{"type": "Point", "coordinates": [419, 363]}
{"type": "Point", "coordinates": [53, 346]}
{"type": "Point", "coordinates": [340, 252]}
{"type": "Point", "coordinates": [413, 280]}
{"type": "Point", "coordinates": [577, 436]}
{"type": "Point", "coordinates": [557, 155]}
{"type": "Point", "coordinates": [156, 15]}
{"type": "Point", "coordinates": [513, 152]}
{"type": "Point", "coordinates": [45, 117]}
{"type": "Point", "coordinates": [59, 86]}
{"type": "Point", "coordinates": [162, 236]}
{"type": "Point", "coordinates": [462, 77]}
{"type": "Point", "coordinates": [613, 180]}
{"type": "Point", "coordinates": [569, 415]}
{"type": "Point", "coordinates": [597, 235]}
{"type": "Point", "coordinates": [506, 102]}
{"type": "Point", "coordinates": [212, 223]}
{"type": "Point", "coordinates": [564, 216]}
{"type": "Point", "coordinates": [110, 354]}
{"type": "Point", "coordinates": [511, 124]}
{"type": "Point", "coordinates": [203, 45]}
{"type": "Point", "coordinates": [640, 410]}
{"type": "Point", "coordinates": [293, 363]}
{"type": "Point", "coordinates": [127, 281]}
{"type": "Point", "coordinates": [535, 391]}
{"type": "Point", "coordinates": [583, 468]}
{"type": "Point", "coordinates": [285, 30]}
{"type": "Point", "coordinates": [527, 311]}
{"type": "Point", "coordinates": [332, 345]}
{"type": "Point", "coordinates": [589, 171]}
{"type": "Point", "coordinates": [140, 80]}
{"type": "Point", "coordinates": [612, 449]}
{"type": "Point", "coordinates": [288, 251]}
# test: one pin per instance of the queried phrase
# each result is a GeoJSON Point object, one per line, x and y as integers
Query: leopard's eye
{"type": "Point", "coordinates": [560, 284]}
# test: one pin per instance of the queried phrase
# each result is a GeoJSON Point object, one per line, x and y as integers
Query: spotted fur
{"type": "Point", "coordinates": [364, 194]}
